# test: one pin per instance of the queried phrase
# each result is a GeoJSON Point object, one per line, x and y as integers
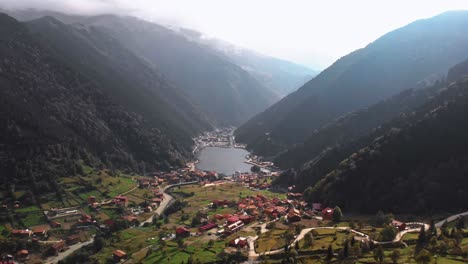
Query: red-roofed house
{"type": "Point", "coordinates": [22, 254]}
{"type": "Point", "coordinates": [400, 225]}
{"type": "Point", "coordinates": [57, 247]}
{"type": "Point", "coordinates": [327, 213]}
{"type": "Point", "coordinates": [182, 232]}
{"type": "Point", "coordinates": [232, 219]}
{"type": "Point", "coordinates": [119, 255]}
{"type": "Point", "coordinates": [207, 227]}
{"type": "Point", "coordinates": [120, 200]}
{"type": "Point", "coordinates": [317, 207]}
{"type": "Point", "coordinates": [294, 215]}
{"type": "Point", "coordinates": [40, 232]}
{"type": "Point", "coordinates": [21, 233]}
{"type": "Point", "coordinates": [246, 218]}
{"type": "Point", "coordinates": [239, 242]}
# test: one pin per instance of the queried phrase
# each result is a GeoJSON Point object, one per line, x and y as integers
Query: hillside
{"type": "Point", "coordinates": [354, 125]}
{"type": "Point", "coordinates": [63, 105]}
{"type": "Point", "coordinates": [407, 169]}
{"type": "Point", "coordinates": [405, 58]}
{"type": "Point", "coordinates": [223, 91]}
{"type": "Point", "coordinates": [280, 76]}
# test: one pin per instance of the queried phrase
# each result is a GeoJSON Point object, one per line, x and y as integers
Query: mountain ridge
{"type": "Point", "coordinates": [398, 60]}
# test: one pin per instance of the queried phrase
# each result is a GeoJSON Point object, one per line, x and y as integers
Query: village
{"type": "Point", "coordinates": [186, 214]}
{"type": "Point", "coordinates": [184, 208]}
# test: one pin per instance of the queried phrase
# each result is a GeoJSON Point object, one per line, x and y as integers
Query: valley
{"type": "Point", "coordinates": [127, 140]}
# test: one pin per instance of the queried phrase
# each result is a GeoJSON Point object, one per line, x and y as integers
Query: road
{"type": "Point", "coordinates": [254, 255]}
{"type": "Point", "coordinates": [167, 201]}
{"type": "Point", "coordinates": [451, 218]}
{"type": "Point", "coordinates": [68, 252]}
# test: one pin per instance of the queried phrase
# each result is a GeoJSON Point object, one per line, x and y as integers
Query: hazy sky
{"type": "Point", "coordinates": [313, 33]}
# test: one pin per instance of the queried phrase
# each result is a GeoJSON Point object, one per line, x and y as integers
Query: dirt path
{"type": "Point", "coordinates": [68, 252]}
{"type": "Point", "coordinates": [254, 255]}
{"type": "Point", "coordinates": [451, 218]}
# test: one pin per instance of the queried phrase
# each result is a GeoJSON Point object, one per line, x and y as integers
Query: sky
{"type": "Point", "coordinates": [309, 32]}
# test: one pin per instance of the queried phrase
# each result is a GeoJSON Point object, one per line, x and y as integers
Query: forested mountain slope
{"type": "Point", "coordinates": [418, 165]}
{"type": "Point", "coordinates": [280, 76]}
{"type": "Point", "coordinates": [354, 125]}
{"type": "Point", "coordinates": [60, 107]}
{"type": "Point", "coordinates": [399, 60]}
{"type": "Point", "coordinates": [226, 93]}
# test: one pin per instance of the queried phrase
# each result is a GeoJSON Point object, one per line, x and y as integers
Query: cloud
{"type": "Point", "coordinates": [314, 33]}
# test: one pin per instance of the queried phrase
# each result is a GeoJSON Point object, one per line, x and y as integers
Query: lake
{"type": "Point", "coordinates": [223, 160]}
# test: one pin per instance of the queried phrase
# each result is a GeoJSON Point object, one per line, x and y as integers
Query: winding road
{"type": "Point", "coordinates": [167, 201]}
{"type": "Point", "coordinates": [254, 255]}
{"type": "Point", "coordinates": [69, 251]}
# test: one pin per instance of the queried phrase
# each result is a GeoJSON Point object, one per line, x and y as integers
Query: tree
{"type": "Point", "coordinates": [380, 218]}
{"type": "Point", "coordinates": [98, 242]}
{"type": "Point", "coordinates": [432, 228]}
{"type": "Point", "coordinates": [346, 250]}
{"type": "Point", "coordinates": [337, 214]}
{"type": "Point", "coordinates": [255, 169]}
{"type": "Point", "coordinates": [422, 236]}
{"type": "Point", "coordinates": [180, 243]}
{"type": "Point", "coordinates": [423, 257]}
{"type": "Point", "coordinates": [330, 252]}
{"type": "Point", "coordinates": [460, 223]}
{"type": "Point", "coordinates": [388, 233]}
{"type": "Point", "coordinates": [396, 255]}
{"type": "Point", "coordinates": [308, 240]}
{"type": "Point", "coordinates": [210, 243]}
{"type": "Point", "coordinates": [379, 254]}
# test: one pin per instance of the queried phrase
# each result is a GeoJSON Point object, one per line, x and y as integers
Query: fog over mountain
{"type": "Point", "coordinates": [222, 131]}
{"type": "Point", "coordinates": [311, 33]}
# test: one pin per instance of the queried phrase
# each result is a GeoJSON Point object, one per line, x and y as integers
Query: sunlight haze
{"type": "Point", "coordinates": [313, 33]}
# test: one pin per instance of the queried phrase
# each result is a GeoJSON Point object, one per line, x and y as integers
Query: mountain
{"type": "Point", "coordinates": [408, 57]}
{"type": "Point", "coordinates": [329, 146]}
{"type": "Point", "coordinates": [354, 125]}
{"type": "Point", "coordinates": [228, 94]}
{"type": "Point", "coordinates": [73, 96]}
{"type": "Point", "coordinates": [419, 165]}
{"type": "Point", "coordinates": [223, 91]}
{"type": "Point", "coordinates": [280, 76]}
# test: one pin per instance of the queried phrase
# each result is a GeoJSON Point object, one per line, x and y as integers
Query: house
{"type": "Point", "coordinates": [73, 239]}
{"type": "Point", "coordinates": [91, 199]}
{"type": "Point", "coordinates": [239, 242]}
{"type": "Point", "coordinates": [207, 227]}
{"type": "Point", "coordinates": [57, 248]}
{"type": "Point", "coordinates": [6, 258]}
{"type": "Point", "coordinates": [293, 196]}
{"type": "Point", "coordinates": [232, 219]}
{"type": "Point", "coordinates": [120, 200]}
{"type": "Point", "coordinates": [119, 255]}
{"type": "Point", "coordinates": [40, 233]}
{"type": "Point", "coordinates": [233, 228]}
{"type": "Point", "coordinates": [55, 224]}
{"type": "Point", "coordinates": [294, 215]}
{"type": "Point", "coordinates": [399, 225]}
{"type": "Point", "coordinates": [86, 219]}
{"type": "Point", "coordinates": [246, 219]}
{"type": "Point", "coordinates": [21, 233]}
{"type": "Point", "coordinates": [327, 213]}
{"type": "Point", "coordinates": [133, 220]}
{"type": "Point", "coordinates": [182, 232]}
{"type": "Point", "coordinates": [144, 183]}
{"type": "Point", "coordinates": [22, 254]}
{"type": "Point", "coordinates": [317, 207]}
